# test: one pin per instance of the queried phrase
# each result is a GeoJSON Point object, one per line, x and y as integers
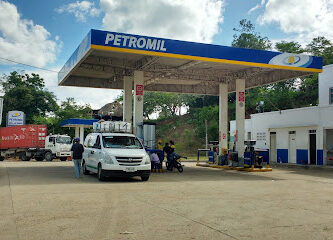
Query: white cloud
{"type": "Point", "coordinates": [306, 18]}
{"type": "Point", "coordinates": [192, 20]}
{"type": "Point", "coordinates": [257, 6]}
{"type": "Point", "coordinates": [80, 10]}
{"type": "Point", "coordinates": [22, 40]}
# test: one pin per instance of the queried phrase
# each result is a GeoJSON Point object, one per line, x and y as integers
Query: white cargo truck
{"type": "Point", "coordinates": [112, 151]}
{"type": "Point", "coordinates": [57, 146]}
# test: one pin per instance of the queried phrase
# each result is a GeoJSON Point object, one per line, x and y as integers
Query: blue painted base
{"type": "Point", "coordinates": [302, 156]}
{"type": "Point", "coordinates": [320, 157]}
{"type": "Point", "coordinates": [282, 155]}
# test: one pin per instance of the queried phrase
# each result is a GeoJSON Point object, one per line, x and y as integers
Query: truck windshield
{"type": "Point", "coordinates": [65, 140]}
{"type": "Point", "coordinates": [121, 142]}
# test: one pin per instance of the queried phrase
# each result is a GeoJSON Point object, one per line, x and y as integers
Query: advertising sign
{"type": "Point", "coordinates": [15, 118]}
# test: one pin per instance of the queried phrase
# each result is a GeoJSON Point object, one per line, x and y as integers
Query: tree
{"type": "Point", "coordinates": [166, 103]}
{"type": "Point", "coordinates": [246, 37]}
{"type": "Point", "coordinates": [68, 109]}
{"type": "Point", "coordinates": [291, 47]}
{"type": "Point", "coordinates": [320, 46]}
{"type": "Point", "coordinates": [27, 93]}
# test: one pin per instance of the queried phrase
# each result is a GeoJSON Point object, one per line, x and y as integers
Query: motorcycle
{"type": "Point", "coordinates": [176, 163]}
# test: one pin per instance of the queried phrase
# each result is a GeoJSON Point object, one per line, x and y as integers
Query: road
{"type": "Point", "coordinates": [43, 200]}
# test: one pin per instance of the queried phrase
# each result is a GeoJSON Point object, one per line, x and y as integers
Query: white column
{"type": "Point", "coordinates": [240, 116]}
{"type": "Point", "coordinates": [223, 117]}
{"type": "Point", "coordinates": [138, 101]}
{"type": "Point", "coordinates": [127, 102]}
{"type": "Point", "coordinates": [81, 134]}
{"type": "Point", "coordinates": [77, 130]}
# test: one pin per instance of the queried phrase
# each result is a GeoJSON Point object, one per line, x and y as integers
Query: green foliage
{"type": "Point", "coordinates": [246, 37]}
{"type": "Point", "coordinates": [68, 109]}
{"type": "Point", "coordinates": [290, 47]}
{"type": "Point", "coordinates": [27, 93]}
{"type": "Point", "coordinates": [320, 46]}
{"type": "Point", "coordinates": [166, 103]}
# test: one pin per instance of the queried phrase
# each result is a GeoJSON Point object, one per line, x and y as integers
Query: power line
{"type": "Point", "coordinates": [45, 69]}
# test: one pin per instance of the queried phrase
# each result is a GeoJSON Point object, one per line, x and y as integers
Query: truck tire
{"type": "Point", "coordinates": [144, 178]}
{"type": "Point", "coordinates": [63, 159]}
{"type": "Point", "coordinates": [48, 156]}
{"type": "Point", "coordinates": [100, 175]}
{"type": "Point", "coordinates": [24, 157]}
{"type": "Point", "coordinates": [39, 159]}
{"type": "Point", "coordinates": [1, 158]}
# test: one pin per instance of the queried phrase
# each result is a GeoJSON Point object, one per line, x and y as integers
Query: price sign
{"type": "Point", "coordinates": [139, 90]}
{"type": "Point", "coordinates": [241, 96]}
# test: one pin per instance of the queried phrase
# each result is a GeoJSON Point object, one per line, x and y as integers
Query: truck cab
{"type": "Point", "coordinates": [57, 146]}
{"type": "Point", "coordinates": [115, 154]}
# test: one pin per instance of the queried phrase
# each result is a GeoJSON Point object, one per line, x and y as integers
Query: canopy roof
{"type": "Point", "coordinates": [104, 58]}
{"type": "Point", "coordinates": [78, 122]}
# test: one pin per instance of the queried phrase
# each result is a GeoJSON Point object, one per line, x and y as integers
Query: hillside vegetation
{"type": "Point", "coordinates": [183, 132]}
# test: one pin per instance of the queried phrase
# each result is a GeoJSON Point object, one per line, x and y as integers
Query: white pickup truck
{"type": "Point", "coordinates": [115, 154]}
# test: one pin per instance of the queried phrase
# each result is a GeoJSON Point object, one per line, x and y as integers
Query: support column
{"type": "Point", "coordinates": [77, 132]}
{"type": "Point", "coordinates": [138, 104]}
{"type": "Point", "coordinates": [223, 117]}
{"type": "Point", "coordinates": [240, 116]}
{"type": "Point", "coordinates": [82, 134]}
{"type": "Point", "coordinates": [127, 103]}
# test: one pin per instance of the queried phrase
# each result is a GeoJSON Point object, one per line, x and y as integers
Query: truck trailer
{"type": "Point", "coordinates": [31, 141]}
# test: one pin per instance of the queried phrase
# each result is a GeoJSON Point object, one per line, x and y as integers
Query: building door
{"type": "Point", "coordinates": [272, 146]}
{"type": "Point", "coordinates": [313, 147]}
{"type": "Point", "coordinates": [292, 147]}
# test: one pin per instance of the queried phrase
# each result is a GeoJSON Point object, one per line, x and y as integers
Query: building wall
{"type": "Point", "coordinates": [325, 83]}
{"type": "Point", "coordinates": [301, 120]}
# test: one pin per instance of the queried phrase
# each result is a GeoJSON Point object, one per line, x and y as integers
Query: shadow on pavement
{"type": "Point", "coordinates": [44, 175]}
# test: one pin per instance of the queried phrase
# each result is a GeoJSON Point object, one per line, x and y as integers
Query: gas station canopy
{"type": "Point", "coordinates": [78, 122]}
{"type": "Point", "coordinates": [104, 58]}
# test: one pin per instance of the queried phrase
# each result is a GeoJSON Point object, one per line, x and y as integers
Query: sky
{"type": "Point", "coordinates": [44, 34]}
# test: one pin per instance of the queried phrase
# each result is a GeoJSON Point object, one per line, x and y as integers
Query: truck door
{"type": "Point", "coordinates": [97, 152]}
{"type": "Point", "coordinates": [90, 153]}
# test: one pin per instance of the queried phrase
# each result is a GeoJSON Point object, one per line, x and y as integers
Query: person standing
{"type": "Point", "coordinates": [77, 150]}
{"type": "Point", "coordinates": [159, 145]}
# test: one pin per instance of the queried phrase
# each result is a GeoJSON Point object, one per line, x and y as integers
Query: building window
{"type": "Point", "coordinates": [292, 132]}
{"type": "Point", "coordinates": [331, 95]}
{"type": "Point", "coordinates": [261, 136]}
{"type": "Point", "coordinates": [312, 131]}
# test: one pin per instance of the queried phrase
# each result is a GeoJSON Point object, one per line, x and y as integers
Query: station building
{"type": "Point", "coordinates": [297, 136]}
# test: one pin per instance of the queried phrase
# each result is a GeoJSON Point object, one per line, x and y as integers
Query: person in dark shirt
{"type": "Point", "coordinates": [167, 150]}
{"type": "Point", "coordinates": [77, 150]}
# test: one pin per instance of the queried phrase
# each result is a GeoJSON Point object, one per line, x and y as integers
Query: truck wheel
{"type": "Point", "coordinates": [39, 159]}
{"type": "Point", "coordinates": [63, 158]}
{"type": "Point", "coordinates": [48, 156]}
{"type": "Point", "coordinates": [24, 157]}
{"type": "Point", "coordinates": [144, 178]}
{"type": "Point", "coordinates": [2, 158]}
{"type": "Point", "coordinates": [84, 168]}
{"type": "Point", "coordinates": [100, 175]}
